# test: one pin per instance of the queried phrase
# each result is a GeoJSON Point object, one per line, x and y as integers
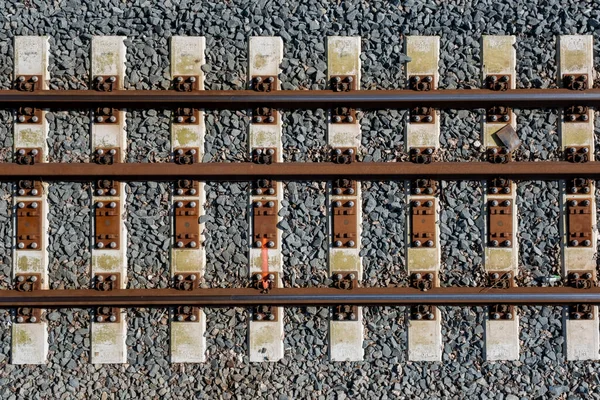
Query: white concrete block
{"type": "Point", "coordinates": [265, 339]}
{"type": "Point", "coordinates": [188, 343]}
{"type": "Point", "coordinates": [502, 339]}
{"type": "Point", "coordinates": [582, 338]}
{"type": "Point", "coordinates": [345, 339]}
{"type": "Point", "coordinates": [108, 342]}
{"type": "Point", "coordinates": [425, 339]}
{"type": "Point", "coordinates": [29, 343]}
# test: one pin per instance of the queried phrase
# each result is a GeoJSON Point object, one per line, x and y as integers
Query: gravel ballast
{"type": "Point", "coordinates": [305, 372]}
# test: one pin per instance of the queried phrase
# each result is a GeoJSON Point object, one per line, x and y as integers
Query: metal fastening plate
{"type": "Point", "coordinates": [509, 138]}
{"type": "Point", "coordinates": [265, 313]}
{"type": "Point", "coordinates": [186, 187]}
{"type": "Point", "coordinates": [421, 155]}
{"type": "Point", "coordinates": [498, 114]}
{"type": "Point", "coordinates": [581, 279]}
{"type": "Point", "coordinates": [499, 186]}
{"type": "Point", "coordinates": [344, 313]}
{"type": "Point", "coordinates": [422, 222]}
{"type": "Point", "coordinates": [498, 82]}
{"type": "Point", "coordinates": [106, 187]}
{"type": "Point", "coordinates": [264, 155]}
{"type": "Point", "coordinates": [29, 225]}
{"type": "Point", "coordinates": [343, 83]}
{"type": "Point", "coordinates": [264, 224]}
{"type": "Point", "coordinates": [421, 83]}
{"type": "Point", "coordinates": [28, 83]}
{"type": "Point", "coordinates": [500, 280]}
{"type": "Point", "coordinates": [343, 187]}
{"type": "Point", "coordinates": [424, 186]}
{"type": "Point", "coordinates": [107, 155]}
{"type": "Point", "coordinates": [187, 225]}
{"type": "Point", "coordinates": [264, 187]}
{"type": "Point", "coordinates": [28, 282]}
{"type": "Point", "coordinates": [105, 83]}
{"type": "Point", "coordinates": [264, 83]}
{"type": "Point", "coordinates": [343, 155]}
{"type": "Point", "coordinates": [344, 226]}
{"type": "Point", "coordinates": [579, 186]}
{"type": "Point", "coordinates": [265, 281]}
{"type": "Point", "coordinates": [581, 311]}
{"type": "Point", "coordinates": [186, 281]}
{"type": "Point", "coordinates": [345, 280]}
{"type": "Point", "coordinates": [579, 223]}
{"type": "Point", "coordinates": [28, 155]}
{"type": "Point", "coordinates": [422, 115]}
{"type": "Point", "coordinates": [577, 154]}
{"type": "Point", "coordinates": [183, 83]}
{"type": "Point", "coordinates": [186, 115]}
{"type": "Point", "coordinates": [500, 223]}
{"type": "Point", "coordinates": [264, 116]}
{"type": "Point", "coordinates": [343, 115]}
{"type": "Point", "coordinates": [29, 188]}
{"type": "Point", "coordinates": [575, 82]}
{"type": "Point", "coordinates": [185, 155]}
{"type": "Point", "coordinates": [423, 280]}
{"type": "Point", "coordinates": [498, 155]}
{"type": "Point", "coordinates": [107, 314]}
{"type": "Point", "coordinates": [498, 312]}
{"type": "Point", "coordinates": [422, 312]}
{"type": "Point", "coordinates": [28, 315]}
{"type": "Point", "coordinates": [106, 115]}
{"type": "Point", "coordinates": [107, 281]}
{"type": "Point", "coordinates": [186, 314]}
{"type": "Point", "coordinates": [29, 115]}
{"type": "Point", "coordinates": [107, 225]}
{"type": "Point", "coordinates": [576, 114]}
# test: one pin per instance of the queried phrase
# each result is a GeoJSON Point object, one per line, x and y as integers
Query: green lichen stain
{"type": "Point", "coordinates": [21, 337]}
{"type": "Point", "coordinates": [340, 261]}
{"type": "Point", "coordinates": [424, 58]}
{"type": "Point", "coordinates": [187, 261]}
{"type": "Point", "coordinates": [577, 134]}
{"type": "Point", "coordinates": [260, 61]}
{"type": "Point", "coordinates": [31, 137]}
{"type": "Point", "coordinates": [180, 335]}
{"type": "Point", "coordinates": [498, 259]}
{"type": "Point", "coordinates": [186, 136]}
{"type": "Point", "coordinates": [106, 262]}
{"type": "Point", "coordinates": [105, 333]}
{"type": "Point", "coordinates": [104, 61]}
{"type": "Point", "coordinates": [341, 334]}
{"type": "Point", "coordinates": [422, 259]}
{"type": "Point", "coordinates": [188, 64]}
{"type": "Point", "coordinates": [263, 336]}
{"type": "Point", "coordinates": [29, 264]}
{"type": "Point", "coordinates": [262, 137]}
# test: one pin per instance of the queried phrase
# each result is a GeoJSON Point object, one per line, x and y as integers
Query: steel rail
{"type": "Point", "coordinates": [322, 171]}
{"type": "Point", "coordinates": [301, 99]}
{"type": "Point", "coordinates": [243, 297]}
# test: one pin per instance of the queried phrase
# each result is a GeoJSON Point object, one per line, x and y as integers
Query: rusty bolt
{"type": "Point", "coordinates": [192, 204]}
{"type": "Point", "coordinates": [507, 243]}
{"type": "Point", "coordinates": [351, 243]}
{"type": "Point", "coordinates": [574, 242]}
{"type": "Point", "coordinates": [506, 203]}
{"type": "Point", "coordinates": [179, 119]}
{"type": "Point", "coordinates": [584, 117]}
{"type": "Point", "coordinates": [417, 243]}
{"type": "Point", "coordinates": [270, 119]}
{"type": "Point", "coordinates": [587, 275]}
{"type": "Point", "coordinates": [495, 316]}
{"type": "Point", "coordinates": [179, 244]}
{"type": "Point", "coordinates": [179, 204]}
{"type": "Point", "coordinates": [585, 203]}
{"type": "Point", "coordinates": [340, 316]}
{"type": "Point", "coordinates": [337, 243]}
{"type": "Point", "coordinates": [112, 204]}
{"type": "Point", "coordinates": [575, 316]}
{"type": "Point", "coordinates": [258, 243]}
{"type": "Point", "coordinates": [429, 203]}
{"type": "Point", "coordinates": [494, 203]}
{"type": "Point", "coordinates": [337, 203]}
{"type": "Point", "coordinates": [586, 243]}
{"type": "Point", "coordinates": [22, 192]}
{"type": "Point", "coordinates": [494, 243]}
{"type": "Point", "coordinates": [257, 277]}
{"type": "Point", "coordinates": [113, 245]}
{"type": "Point", "coordinates": [112, 118]}
{"type": "Point", "coordinates": [429, 243]}
{"type": "Point", "coordinates": [417, 316]}
{"type": "Point", "coordinates": [192, 191]}
{"type": "Point", "coordinates": [21, 118]}
{"type": "Point", "coordinates": [573, 203]}
{"type": "Point", "coordinates": [270, 244]}
{"type": "Point", "coordinates": [416, 203]}
{"type": "Point", "coordinates": [21, 245]}
{"type": "Point", "coordinates": [33, 245]}
{"type": "Point", "coordinates": [34, 205]}
{"type": "Point", "coordinates": [270, 204]}
{"type": "Point", "coordinates": [337, 118]}
{"type": "Point", "coordinates": [350, 204]}
{"type": "Point", "coordinates": [21, 205]}
{"type": "Point", "coordinates": [338, 277]}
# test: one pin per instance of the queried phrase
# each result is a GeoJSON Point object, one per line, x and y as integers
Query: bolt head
{"type": "Point", "coordinates": [337, 243]}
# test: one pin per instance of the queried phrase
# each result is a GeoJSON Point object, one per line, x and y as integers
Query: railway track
{"type": "Point", "coordinates": [265, 295]}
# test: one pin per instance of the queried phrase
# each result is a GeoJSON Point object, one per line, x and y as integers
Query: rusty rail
{"type": "Point", "coordinates": [241, 297]}
{"type": "Point", "coordinates": [301, 99]}
{"type": "Point", "coordinates": [544, 170]}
